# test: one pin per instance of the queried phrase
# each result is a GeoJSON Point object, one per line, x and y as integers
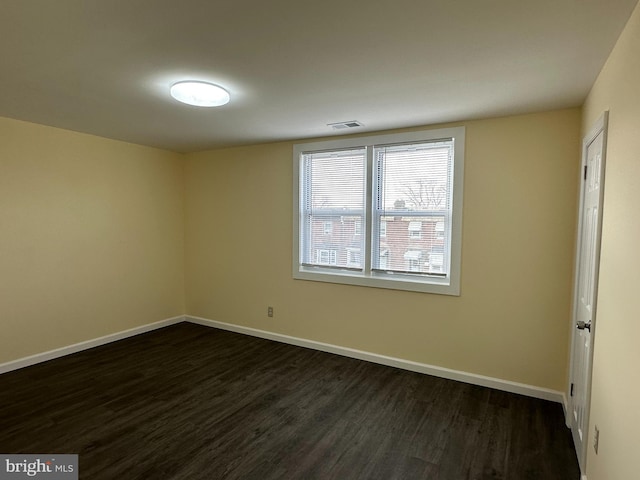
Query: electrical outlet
{"type": "Point", "coordinates": [596, 439]}
{"type": "Point", "coordinates": [269, 311]}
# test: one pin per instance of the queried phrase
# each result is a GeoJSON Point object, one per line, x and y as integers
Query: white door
{"type": "Point", "coordinates": [586, 284]}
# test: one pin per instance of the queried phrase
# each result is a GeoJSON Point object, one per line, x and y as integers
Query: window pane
{"type": "Point", "coordinates": [415, 177]}
{"type": "Point", "coordinates": [338, 246]}
{"type": "Point", "coordinates": [413, 202]}
{"type": "Point", "coordinates": [412, 244]}
{"type": "Point", "coordinates": [334, 196]}
{"type": "Point", "coordinates": [335, 179]}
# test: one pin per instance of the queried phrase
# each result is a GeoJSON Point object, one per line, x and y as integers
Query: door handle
{"type": "Point", "coordinates": [582, 325]}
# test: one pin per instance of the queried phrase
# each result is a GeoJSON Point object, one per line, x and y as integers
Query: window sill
{"type": "Point", "coordinates": [411, 283]}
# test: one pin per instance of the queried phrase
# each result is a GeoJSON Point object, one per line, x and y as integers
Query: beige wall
{"type": "Point", "coordinates": [91, 237]}
{"type": "Point", "coordinates": [92, 244]}
{"type": "Point", "coordinates": [512, 319]}
{"type": "Point", "coordinates": [615, 405]}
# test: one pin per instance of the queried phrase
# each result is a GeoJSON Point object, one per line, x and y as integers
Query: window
{"type": "Point", "coordinates": [414, 259]}
{"type": "Point", "coordinates": [383, 228]}
{"type": "Point", "coordinates": [415, 230]}
{"type": "Point", "coordinates": [384, 259]}
{"type": "Point", "coordinates": [353, 257]}
{"type": "Point", "coordinates": [357, 227]}
{"type": "Point", "coordinates": [436, 259]}
{"type": "Point", "coordinates": [326, 257]}
{"type": "Point", "coordinates": [382, 211]}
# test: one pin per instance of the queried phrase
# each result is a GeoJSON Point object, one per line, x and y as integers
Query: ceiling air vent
{"type": "Point", "coordinates": [343, 125]}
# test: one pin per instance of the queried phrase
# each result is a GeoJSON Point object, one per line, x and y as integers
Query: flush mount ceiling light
{"type": "Point", "coordinates": [200, 94]}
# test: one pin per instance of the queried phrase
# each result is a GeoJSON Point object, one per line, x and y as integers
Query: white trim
{"type": "Point", "coordinates": [565, 408]}
{"type": "Point", "coordinates": [78, 347]}
{"type": "Point", "coordinates": [449, 285]}
{"type": "Point", "coordinates": [472, 378]}
{"type": "Point", "coordinates": [583, 477]}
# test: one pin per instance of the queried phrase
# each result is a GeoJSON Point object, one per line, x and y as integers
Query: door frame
{"type": "Point", "coordinates": [601, 125]}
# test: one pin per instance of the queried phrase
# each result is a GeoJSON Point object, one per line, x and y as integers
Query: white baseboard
{"type": "Point", "coordinates": [472, 378]}
{"type": "Point", "coordinates": [77, 347]}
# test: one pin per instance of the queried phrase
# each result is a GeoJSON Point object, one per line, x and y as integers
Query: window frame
{"type": "Point", "coordinates": [439, 284]}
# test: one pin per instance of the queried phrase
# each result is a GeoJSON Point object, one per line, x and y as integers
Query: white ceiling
{"type": "Point", "coordinates": [292, 66]}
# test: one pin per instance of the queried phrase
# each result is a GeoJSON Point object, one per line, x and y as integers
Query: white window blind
{"type": "Point", "coordinates": [413, 198]}
{"type": "Point", "coordinates": [332, 213]}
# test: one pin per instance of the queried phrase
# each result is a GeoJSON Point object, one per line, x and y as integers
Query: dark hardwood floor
{"type": "Point", "coordinates": [191, 402]}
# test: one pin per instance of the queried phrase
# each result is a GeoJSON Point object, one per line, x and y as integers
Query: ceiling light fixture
{"type": "Point", "coordinates": [200, 94]}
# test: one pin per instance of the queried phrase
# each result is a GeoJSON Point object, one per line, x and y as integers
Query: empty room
{"type": "Point", "coordinates": [319, 240]}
